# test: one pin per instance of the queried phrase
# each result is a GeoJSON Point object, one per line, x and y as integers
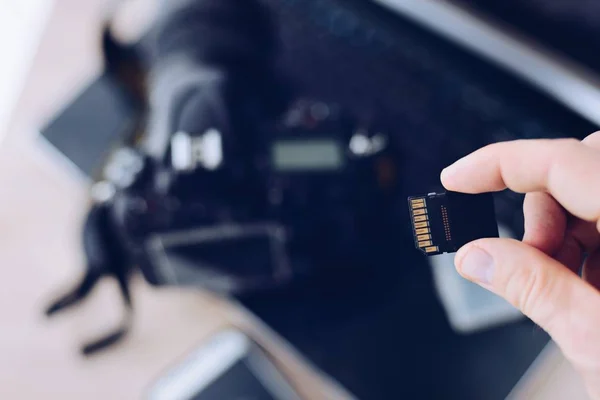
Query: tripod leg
{"type": "Point", "coordinates": [75, 295]}
{"type": "Point", "coordinates": [108, 340]}
{"type": "Point", "coordinates": [120, 332]}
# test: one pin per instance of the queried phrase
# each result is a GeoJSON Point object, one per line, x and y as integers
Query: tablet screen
{"type": "Point", "coordinates": [237, 383]}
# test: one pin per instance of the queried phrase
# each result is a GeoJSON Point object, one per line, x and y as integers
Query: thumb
{"type": "Point", "coordinates": [543, 289]}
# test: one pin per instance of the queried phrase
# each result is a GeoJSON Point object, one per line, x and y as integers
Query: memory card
{"type": "Point", "coordinates": [444, 222]}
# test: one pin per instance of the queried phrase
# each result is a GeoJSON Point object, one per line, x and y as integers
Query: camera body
{"type": "Point", "coordinates": [300, 195]}
{"type": "Point", "coordinates": [230, 180]}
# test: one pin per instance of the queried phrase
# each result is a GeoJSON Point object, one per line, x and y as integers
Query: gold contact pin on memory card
{"type": "Point", "coordinates": [417, 203]}
{"type": "Point", "coordinates": [421, 219]}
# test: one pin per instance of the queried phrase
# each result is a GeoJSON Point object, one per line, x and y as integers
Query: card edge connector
{"type": "Point", "coordinates": [419, 217]}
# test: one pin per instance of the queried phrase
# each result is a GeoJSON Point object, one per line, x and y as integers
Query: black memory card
{"type": "Point", "coordinates": [444, 222]}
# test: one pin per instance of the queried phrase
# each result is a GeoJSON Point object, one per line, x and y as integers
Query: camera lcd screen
{"type": "Point", "coordinates": [307, 155]}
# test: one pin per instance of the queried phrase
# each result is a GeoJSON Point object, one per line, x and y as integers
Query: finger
{"type": "Point", "coordinates": [543, 289]}
{"type": "Point", "coordinates": [570, 254]}
{"type": "Point", "coordinates": [545, 222]}
{"type": "Point", "coordinates": [592, 140]}
{"type": "Point", "coordinates": [580, 237]}
{"type": "Point", "coordinates": [565, 168]}
{"type": "Point", "coordinates": [585, 233]}
{"type": "Point", "coordinates": [591, 269]}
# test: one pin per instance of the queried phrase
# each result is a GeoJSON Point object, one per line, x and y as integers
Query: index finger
{"type": "Point", "coordinates": [565, 168]}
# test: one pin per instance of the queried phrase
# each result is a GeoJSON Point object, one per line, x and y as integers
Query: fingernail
{"type": "Point", "coordinates": [446, 172]}
{"type": "Point", "coordinates": [477, 265]}
{"type": "Point", "coordinates": [450, 171]}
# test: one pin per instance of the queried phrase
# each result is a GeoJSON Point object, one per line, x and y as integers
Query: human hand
{"type": "Point", "coordinates": [562, 222]}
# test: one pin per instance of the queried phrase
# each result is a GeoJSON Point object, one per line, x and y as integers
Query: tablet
{"type": "Point", "coordinates": [229, 367]}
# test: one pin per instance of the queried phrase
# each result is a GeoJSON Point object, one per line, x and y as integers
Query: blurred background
{"type": "Point", "coordinates": [438, 78]}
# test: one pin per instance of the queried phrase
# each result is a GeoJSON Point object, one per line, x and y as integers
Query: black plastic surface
{"type": "Point", "coordinates": [385, 336]}
{"type": "Point", "coordinates": [471, 217]}
{"type": "Point", "coordinates": [571, 27]}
